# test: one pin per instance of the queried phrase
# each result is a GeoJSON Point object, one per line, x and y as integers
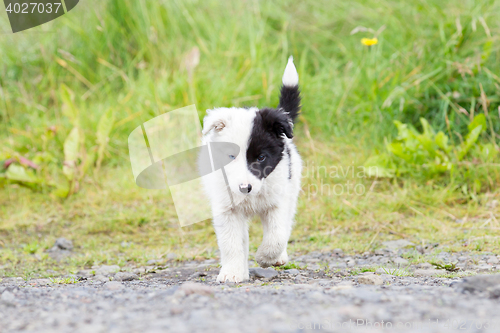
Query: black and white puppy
{"type": "Point", "coordinates": [263, 179]}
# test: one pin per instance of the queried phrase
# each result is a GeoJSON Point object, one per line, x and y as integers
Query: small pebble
{"type": "Point", "coordinates": [114, 285]}
{"type": "Point", "coordinates": [370, 279]}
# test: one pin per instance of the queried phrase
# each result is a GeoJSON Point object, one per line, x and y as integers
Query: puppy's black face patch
{"type": "Point", "coordinates": [266, 145]}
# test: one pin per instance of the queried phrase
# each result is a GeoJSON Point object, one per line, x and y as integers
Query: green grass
{"type": "Point", "coordinates": [398, 271]}
{"type": "Point", "coordinates": [359, 270]}
{"type": "Point", "coordinates": [69, 280]}
{"type": "Point", "coordinates": [290, 265]}
{"type": "Point", "coordinates": [435, 59]}
{"type": "Point", "coordinates": [451, 267]}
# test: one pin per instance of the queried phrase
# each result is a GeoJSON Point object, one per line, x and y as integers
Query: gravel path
{"type": "Point", "coordinates": [331, 294]}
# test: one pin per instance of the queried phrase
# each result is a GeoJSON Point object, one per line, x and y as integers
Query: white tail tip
{"type": "Point", "coordinates": [290, 77]}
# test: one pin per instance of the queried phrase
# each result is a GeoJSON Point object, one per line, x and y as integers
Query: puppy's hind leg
{"type": "Point", "coordinates": [232, 237]}
{"type": "Point", "coordinates": [288, 224]}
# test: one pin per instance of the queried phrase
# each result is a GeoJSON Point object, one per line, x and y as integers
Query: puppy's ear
{"type": "Point", "coordinates": [211, 121]}
{"type": "Point", "coordinates": [283, 126]}
{"type": "Point", "coordinates": [276, 122]}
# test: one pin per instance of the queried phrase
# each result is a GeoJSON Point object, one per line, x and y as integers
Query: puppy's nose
{"type": "Point", "coordinates": [245, 188]}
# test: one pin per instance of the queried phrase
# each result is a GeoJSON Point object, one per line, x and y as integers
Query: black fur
{"type": "Point", "coordinates": [267, 133]}
{"type": "Point", "coordinates": [290, 101]}
{"type": "Point", "coordinates": [267, 139]}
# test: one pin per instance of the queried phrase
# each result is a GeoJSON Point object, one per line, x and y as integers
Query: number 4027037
{"type": "Point", "coordinates": [33, 7]}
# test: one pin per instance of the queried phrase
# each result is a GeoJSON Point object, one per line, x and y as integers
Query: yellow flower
{"type": "Point", "coordinates": [369, 41]}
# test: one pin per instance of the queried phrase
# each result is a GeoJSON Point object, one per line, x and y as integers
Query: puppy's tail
{"type": "Point", "coordinates": [290, 93]}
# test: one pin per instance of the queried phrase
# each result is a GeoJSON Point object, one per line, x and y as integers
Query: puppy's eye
{"type": "Point", "coordinates": [232, 157]}
{"type": "Point", "coordinates": [261, 158]}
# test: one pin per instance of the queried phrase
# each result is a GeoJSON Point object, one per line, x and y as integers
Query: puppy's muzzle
{"type": "Point", "coordinates": [245, 188]}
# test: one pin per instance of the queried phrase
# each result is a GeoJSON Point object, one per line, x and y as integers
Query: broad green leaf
{"type": "Point", "coordinates": [71, 145]}
{"type": "Point", "coordinates": [487, 48]}
{"type": "Point", "coordinates": [379, 166]}
{"type": "Point", "coordinates": [465, 189]}
{"type": "Point", "coordinates": [19, 173]}
{"type": "Point", "coordinates": [477, 185]}
{"type": "Point", "coordinates": [440, 165]}
{"type": "Point", "coordinates": [428, 130]}
{"type": "Point", "coordinates": [427, 144]}
{"type": "Point", "coordinates": [89, 161]}
{"type": "Point", "coordinates": [469, 142]}
{"type": "Point", "coordinates": [398, 149]}
{"type": "Point", "coordinates": [4, 155]}
{"type": "Point", "coordinates": [69, 170]}
{"type": "Point", "coordinates": [69, 109]}
{"type": "Point", "coordinates": [71, 153]}
{"type": "Point", "coordinates": [2, 180]}
{"type": "Point", "coordinates": [61, 191]}
{"type": "Point", "coordinates": [403, 131]}
{"type": "Point", "coordinates": [442, 141]}
{"type": "Point", "coordinates": [479, 120]}
{"type": "Point", "coordinates": [104, 128]}
{"type": "Point", "coordinates": [426, 139]}
{"type": "Point", "coordinates": [489, 152]}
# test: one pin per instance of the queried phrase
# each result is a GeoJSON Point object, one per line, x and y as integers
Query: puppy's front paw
{"type": "Point", "coordinates": [232, 274]}
{"type": "Point", "coordinates": [268, 258]}
{"type": "Point", "coordinates": [282, 260]}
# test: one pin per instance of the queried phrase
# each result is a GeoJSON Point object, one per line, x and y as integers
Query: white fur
{"type": "Point", "coordinates": [290, 77]}
{"type": "Point", "coordinates": [273, 198]}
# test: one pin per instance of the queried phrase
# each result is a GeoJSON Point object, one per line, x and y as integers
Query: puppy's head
{"type": "Point", "coordinates": [266, 143]}
{"type": "Point", "coordinates": [260, 134]}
